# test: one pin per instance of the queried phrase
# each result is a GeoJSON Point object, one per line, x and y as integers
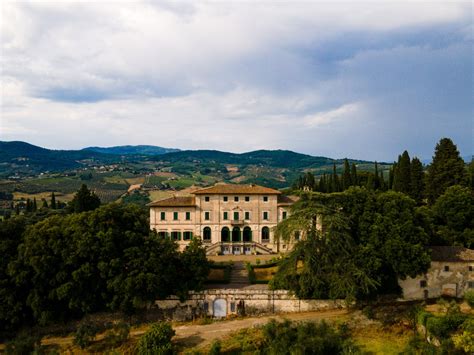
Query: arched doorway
{"type": "Point", "coordinates": [247, 234]}
{"type": "Point", "coordinates": [265, 234]}
{"type": "Point", "coordinates": [206, 234]}
{"type": "Point", "coordinates": [225, 234]}
{"type": "Point", "coordinates": [220, 308]}
{"type": "Point", "coordinates": [236, 234]}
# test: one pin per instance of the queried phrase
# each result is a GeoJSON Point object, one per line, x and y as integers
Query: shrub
{"type": "Point", "coordinates": [117, 335]}
{"type": "Point", "coordinates": [215, 348]}
{"type": "Point", "coordinates": [438, 327]}
{"type": "Point", "coordinates": [469, 298]}
{"type": "Point", "coordinates": [85, 334]}
{"type": "Point", "coordinates": [464, 342]}
{"type": "Point", "coordinates": [157, 340]}
{"type": "Point", "coordinates": [23, 344]}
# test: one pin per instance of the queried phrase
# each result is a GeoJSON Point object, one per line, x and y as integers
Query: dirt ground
{"type": "Point", "coordinates": [201, 335]}
{"type": "Point", "coordinates": [198, 335]}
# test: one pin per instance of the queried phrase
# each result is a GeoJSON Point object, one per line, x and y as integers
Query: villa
{"type": "Point", "coordinates": [229, 218]}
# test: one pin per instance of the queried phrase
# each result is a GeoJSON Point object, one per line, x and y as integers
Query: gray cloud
{"type": "Point", "coordinates": [322, 78]}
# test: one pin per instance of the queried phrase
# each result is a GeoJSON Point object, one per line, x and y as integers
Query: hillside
{"type": "Point", "coordinates": [27, 159]}
{"type": "Point", "coordinates": [132, 150]}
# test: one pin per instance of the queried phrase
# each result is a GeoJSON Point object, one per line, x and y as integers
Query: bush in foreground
{"type": "Point", "coordinates": [157, 340]}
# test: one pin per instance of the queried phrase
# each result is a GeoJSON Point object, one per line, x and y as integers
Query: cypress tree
{"type": "Point", "coordinates": [35, 205]}
{"type": "Point", "coordinates": [391, 175]}
{"type": "Point", "coordinates": [354, 178]}
{"type": "Point", "coordinates": [401, 180]}
{"type": "Point", "coordinates": [383, 185]}
{"type": "Point", "coordinates": [335, 180]}
{"type": "Point", "coordinates": [45, 203]}
{"type": "Point", "coordinates": [376, 178]}
{"type": "Point", "coordinates": [447, 169]}
{"type": "Point", "coordinates": [416, 180]}
{"type": "Point", "coordinates": [346, 176]}
{"type": "Point", "coordinates": [370, 181]}
{"type": "Point", "coordinates": [53, 201]}
{"type": "Point", "coordinates": [84, 200]}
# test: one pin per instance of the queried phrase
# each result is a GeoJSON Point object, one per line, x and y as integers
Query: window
{"type": "Point", "coordinates": [470, 284]}
{"type": "Point", "coordinates": [162, 216]}
{"type": "Point", "coordinates": [470, 267]}
{"type": "Point", "coordinates": [187, 235]}
{"type": "Point", "coordinates": [247, 215]}
{"type": "Point", "coordinates": [175, 235]}
{"type": "Point", "coordinates": [283, 215]}
{"type": "Point", "coordinates": [207, 216]}
{"type": "Point", "coordinates": [247, 198]}
{"type": "Point", "coordinates": [206, 235]}
{"type": "Point", "coordinates": [162, 234]}
{"type": "Point", "coordinates": [265, 233]}
{"type": "Point", "coordinates": [236, 216]}
{"type": "Point", "coordinates": [226, 198]}
{"type": "Point", "coordinates": [188, 216]}
{"type": "Point", "coordinates": [207, 198]}
{"type": "Point", "coordinates": [175, 216]}
{"type": "Point", "coordinates": [446, 268]}
{"type": "Point", "coordinates": [423, 283]}
{"type": "Point", "coordinates": [236, 198]}
{"type": "Point", "coordinates": [265, 216]}
{"type": "Point", "coordinates": [265, 198]}
{"type": "Point", "coordinates": [225, 216]}
{"type": "Point", "coordinates": [297, 235]}
{"type": "Point", "coordinates": [232, 306]}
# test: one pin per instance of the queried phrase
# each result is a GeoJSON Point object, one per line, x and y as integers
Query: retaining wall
{"type": "Point", "coordinates": [225, 302]}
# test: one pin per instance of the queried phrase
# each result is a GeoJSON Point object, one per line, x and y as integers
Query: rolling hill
{"type": "Point", "coordinates": [132, 150]}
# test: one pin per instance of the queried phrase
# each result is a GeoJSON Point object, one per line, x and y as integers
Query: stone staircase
{"type": "Point", "coordinates": [239, 277]}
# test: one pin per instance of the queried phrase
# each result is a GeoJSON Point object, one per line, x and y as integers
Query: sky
{"type": "Point", "coordinates": [355, 79]}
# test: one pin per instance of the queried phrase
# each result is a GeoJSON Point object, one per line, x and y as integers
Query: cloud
{"type": "Point", "coordinates": [335, 78]}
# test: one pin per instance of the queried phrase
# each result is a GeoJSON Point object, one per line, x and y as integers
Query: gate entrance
{"type": "Point", "coordinates": [220, 308]}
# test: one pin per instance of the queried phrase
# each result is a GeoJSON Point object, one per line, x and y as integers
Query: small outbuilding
{"type": "Point", "coordinates": [451, 274]}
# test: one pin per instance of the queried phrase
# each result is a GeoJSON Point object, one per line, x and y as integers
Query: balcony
{"type": "Point", "coordinates": [237, 222]}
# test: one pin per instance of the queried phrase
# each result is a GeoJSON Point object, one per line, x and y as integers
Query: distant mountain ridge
{"type": "Point", "coordinates": [26, 159]}
{"type": "Point", "coordinates": [133, 150]}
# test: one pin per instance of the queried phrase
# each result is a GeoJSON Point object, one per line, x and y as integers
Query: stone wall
{"type": "Point", "coordinates": [225, 302]}
{"type": "Point", "coordinates": [442, 279]}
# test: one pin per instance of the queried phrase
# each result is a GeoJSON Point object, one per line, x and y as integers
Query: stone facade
{"type": "Point", "coordinates": [226, 302]}
{"type": "Point", "coordinates": [230, 219]}
{"type": "Point", "coordinates": [451, 273]}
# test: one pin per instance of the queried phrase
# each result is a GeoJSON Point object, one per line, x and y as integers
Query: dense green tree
{"type": "Point", "coordinates": [84, 200]}
{"type": "Point", "coordinates": [45, 204]}
{"type": "Point", "coordinates": [79, 263]}
{"type": "Point", "coordinates": [378, 236]}
{"type": "Point", "coordinates": [447, 169]}
{"type": "Point", "coordinates": [416, 180]}
{"type": "Point", "coordinates": [323, 264]}
{"type": "Point", "coordinates": [12, 298]}
{"type": "Point", "coordinates": [402, 174]}
{"type": "Point", "coordinates": [453, 214]}
{"type": "Point", "coordinates": [194, 267]}
{"type": "Point", "coordinates": [35, 205]}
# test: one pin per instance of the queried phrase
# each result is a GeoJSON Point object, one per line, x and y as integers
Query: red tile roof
{"type": "Point", "coordinates": [175, 201]}
{"type": "Point", "coordinates": [234, 189]}
{"type": "Point", "coordinates": [287, 200]}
